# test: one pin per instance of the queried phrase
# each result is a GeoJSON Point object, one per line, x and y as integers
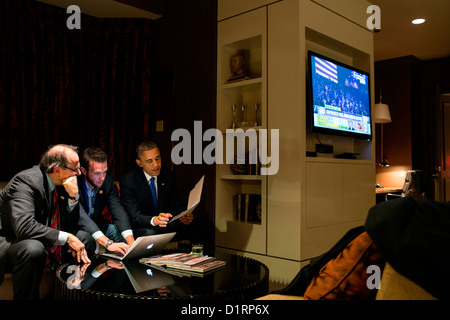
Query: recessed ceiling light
{"type": "Point", "coordinates": [418, 21]}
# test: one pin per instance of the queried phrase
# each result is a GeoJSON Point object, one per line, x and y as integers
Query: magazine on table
{"type": "Point", "coordinates": [187, 259]}
{"type": "Point", "coordinates": [184, 273]}
{"type": "Point", "coordinates": [199, 267]}
{"type": "Point", "coordinates": [184, 261]}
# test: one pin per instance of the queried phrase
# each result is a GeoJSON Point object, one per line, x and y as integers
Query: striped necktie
{"type": "Point", "coordinates": [54, 253]}
{"type": "Point", "coordinates": [154, 197]}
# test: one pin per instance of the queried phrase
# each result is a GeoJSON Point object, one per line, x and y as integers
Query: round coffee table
{"type": "Point", "coordinates": [241, 279]}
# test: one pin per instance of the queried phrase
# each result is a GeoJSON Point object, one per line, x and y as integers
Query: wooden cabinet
{"type": "Point", "coordinates": [241, 105]}
{"type": "Point", "coordinates": [310, 202]}
{"type": "Point", "coordinates": [337, 193]}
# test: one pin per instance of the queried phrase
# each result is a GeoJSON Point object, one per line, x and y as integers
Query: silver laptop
{"type": "Point", "coordinates": [144, 278]}
{"type": "Point", "coordinates": [143, 247]}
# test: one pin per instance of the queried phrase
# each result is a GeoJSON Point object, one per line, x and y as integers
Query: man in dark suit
{"type": "Point", "coordinates": [99, 199]}
{"type": "Point", "coordinates": [149, 214]}
{"type": "Point", "coordinates": [28, 239]}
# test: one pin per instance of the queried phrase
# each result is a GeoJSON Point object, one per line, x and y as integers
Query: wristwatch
{"type": "Point", "coordinates": [75, 198]}
{"type": "Point", "coordinates": [108, 243]}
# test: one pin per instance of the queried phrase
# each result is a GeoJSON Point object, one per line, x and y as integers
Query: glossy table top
{"type": "Point", "coordinates": [241, 279]}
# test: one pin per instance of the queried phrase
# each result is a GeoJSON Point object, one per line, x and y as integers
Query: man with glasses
{"type": "Point", "coordinates": [39, 221]}
{"type": "Point", "coordinates": [99, 199]}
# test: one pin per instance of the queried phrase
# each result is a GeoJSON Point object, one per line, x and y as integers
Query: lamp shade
{"type": "Point", "coordinates": [382, 114]}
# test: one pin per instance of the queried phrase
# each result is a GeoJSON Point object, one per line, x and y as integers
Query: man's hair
{"type": "Point", "coordinates": [92, 154]}
{"type": "Point", "coordinates": [56, 156]}
{"type": "Point", "coordinates": [145, 146]}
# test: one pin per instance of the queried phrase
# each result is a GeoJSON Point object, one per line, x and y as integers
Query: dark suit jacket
{"type": "Point", "coordinates": [24, 209]}
{"type": "Point", "coordinates": [137, 200]}
{"type": "Point", "coordinates": [107, 197]}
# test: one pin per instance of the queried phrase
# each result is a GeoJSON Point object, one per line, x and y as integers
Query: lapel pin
{"type": "Point", "coordinates": [101, 191]}
{"type": "Point", "coordinates": [62, 197]}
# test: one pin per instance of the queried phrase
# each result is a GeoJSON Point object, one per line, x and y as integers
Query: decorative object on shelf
{"type": "Point", "coordinates": [234, 116]}
{"type": "Point", "coordinates": [382, 115]}
{"type": "Point", "coordinates": [239, 66]}
{"type": "Point", "coordinates": [239, 168]}
{"type": "Point", "coordinates": [256, 115]}
{"type": "Point", "coordinates": [246, 167]}
{"type": "Point", "coordinates": [244, 122]}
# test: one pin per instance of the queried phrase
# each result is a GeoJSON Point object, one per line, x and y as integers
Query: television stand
{"type": "Point", "coordinates": [347, 155]}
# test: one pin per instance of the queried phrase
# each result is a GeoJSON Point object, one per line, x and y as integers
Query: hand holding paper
{"type": "Point", "coordinates": [194, 200]}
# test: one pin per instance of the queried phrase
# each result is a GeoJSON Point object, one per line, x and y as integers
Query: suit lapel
{"type": "Point", "coordinates": [143, 183]}
{"type": "Point", "coordinates": [45, 192]}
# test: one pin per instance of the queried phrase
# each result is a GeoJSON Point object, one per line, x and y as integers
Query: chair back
{"type": "Point", "coordinates": [414, 184]}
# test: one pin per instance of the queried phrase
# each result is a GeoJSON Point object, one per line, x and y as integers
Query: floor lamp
{"type": "Point", "coordinates": [382, 115]}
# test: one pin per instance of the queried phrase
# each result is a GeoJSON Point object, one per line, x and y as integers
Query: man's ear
{"type": "Point", "coordinates": [56, 169]}
{"type": "Point", "coordinates": [83, 171]}
{"type": "Point", "coordinates": [139, 163]}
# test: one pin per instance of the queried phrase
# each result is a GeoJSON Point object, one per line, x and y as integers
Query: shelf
{"type": "Point", "coordinates": [248, 222]}
{"type": "Point", "coordinates": [246, 93]}
{"type": "Point", "coordinates": [337, 160]}
{"type": "Point", "coordinates": [244, 34]}
{"type": "Point", "coordinates": [256, 128]}
{"type": "Point", "coordinates": [242, 177]}
{"type": "Point", "coordinates": [242, 83]}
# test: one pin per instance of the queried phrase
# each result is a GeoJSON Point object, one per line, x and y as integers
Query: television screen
{"type": "Point", "coordinates": [339, 98]}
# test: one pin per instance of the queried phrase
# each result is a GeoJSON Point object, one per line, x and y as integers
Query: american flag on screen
{"type": "Point", "coordinates": [326, 69]}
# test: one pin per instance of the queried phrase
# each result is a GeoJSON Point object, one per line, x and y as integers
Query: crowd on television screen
{"type": "Point", "coordinates": [347, 97]}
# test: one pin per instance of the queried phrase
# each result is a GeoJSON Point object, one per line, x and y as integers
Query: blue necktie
{"type": "Point", "coordinates": [91, 196]}
{"type": "Point", "coordinates": [153, 189]}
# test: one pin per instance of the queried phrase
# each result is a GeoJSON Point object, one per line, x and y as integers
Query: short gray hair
{"type": "Point", "coordinates": [56, 156]}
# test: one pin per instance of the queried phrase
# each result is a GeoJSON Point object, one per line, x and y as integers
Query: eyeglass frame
{"type": "Point", "coordinates": [78, 169]}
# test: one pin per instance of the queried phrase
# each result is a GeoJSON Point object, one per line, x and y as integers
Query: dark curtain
{"type": "Point", "coordinates": [88, 87]}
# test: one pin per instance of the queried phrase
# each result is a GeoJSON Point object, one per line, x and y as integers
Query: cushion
{"type": "Point", "coordinates": [345, 276]}
{"type": "Point", "coordinates": [394, 286]}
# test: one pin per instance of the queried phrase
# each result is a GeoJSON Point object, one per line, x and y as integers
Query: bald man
{"type": "Point", "coordinates": [26, 233]}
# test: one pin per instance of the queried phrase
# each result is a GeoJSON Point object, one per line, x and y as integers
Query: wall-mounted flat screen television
{"type": "Point", "coordinates": [339, 98]}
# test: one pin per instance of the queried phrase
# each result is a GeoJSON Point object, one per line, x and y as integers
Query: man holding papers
{"type": "Point", "coordinates": [150, 197]}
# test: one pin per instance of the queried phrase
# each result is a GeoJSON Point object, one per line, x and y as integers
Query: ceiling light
{"type": "Point", "coordinates": [418, 21]}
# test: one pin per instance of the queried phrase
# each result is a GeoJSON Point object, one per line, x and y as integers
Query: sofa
{"type": "Point", "coordinates": [393, 286]}
{"type": "Point", "coordinates": [407, 240]}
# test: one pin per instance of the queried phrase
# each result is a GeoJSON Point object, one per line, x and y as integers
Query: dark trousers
{"type": "Point", "coordinates": [26, 261]}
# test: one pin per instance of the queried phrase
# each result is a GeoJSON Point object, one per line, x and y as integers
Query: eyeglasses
{"type": "Point", "coordinates": [76, 170]}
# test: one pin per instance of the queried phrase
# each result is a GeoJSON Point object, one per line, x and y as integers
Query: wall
{"type": "Point", "coordinates": [395, 79]}
{"type": "Point", "coordinates": [104, 98]}
{"type": "Point", "coordinates": [412, 89]}
{"type": "Point", "coordinates": [85, 87]}
{"type": "Point", "coordinates": [183, 81]}
{"type": "Point", "coordinates": [427, 117]}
